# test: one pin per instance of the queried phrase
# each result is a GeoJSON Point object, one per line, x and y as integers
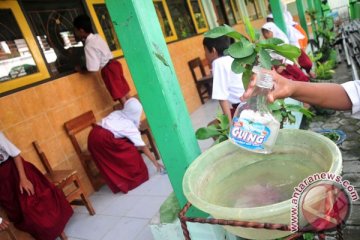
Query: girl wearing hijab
{"type": "Point", "coordinates": [290, 71]}
{"type": "Point", "coordinates": [297, 37]}
{"type": "Point", "coordinates": [115, 144]}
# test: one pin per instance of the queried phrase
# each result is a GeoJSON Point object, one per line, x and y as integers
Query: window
{"type": "Point", "coordinates": [165, 20]}
{"type": "Point", "coordinates": [224, 12]}
{"type": "Point", "coordinates": [52, 23]}
{"type": "Point", "coordinates": [104, 25]}
{"type": "Point", "coordinates": [19, 65]}
{"type": "Point", "coordinates": [252, 9]}
{"type": "Point", "coordinates": [198, 16]}
{"type": "Point", "coordinates": [236, 9]}
{"type": "Point", "coordinates": [182, 19]}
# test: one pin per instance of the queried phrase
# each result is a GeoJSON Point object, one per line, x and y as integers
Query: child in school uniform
{"type": "Point", "coordinates": [290, 71]}
{"type": "Point", "coordinates": [31, 202]}
{"type": "Point", "coordinates": [227, 85]}
{"type": "Point", "coordinates": [115, 143]}
{"type": "Point", "coordinates": [99, 57]}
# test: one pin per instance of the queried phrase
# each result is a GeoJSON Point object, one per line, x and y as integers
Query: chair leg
{"type": "Point", "coordinates": [84, 199]}
{"type": "Point", "coordinates": [11, 234]}
{"type": "Point", "coordinates": [152, 144]}
{"type": "Point", "coordinates": [63, 236]}
{"type": "Point", "coordinates": [200, 95]}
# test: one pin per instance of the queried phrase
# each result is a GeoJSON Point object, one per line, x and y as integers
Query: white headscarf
{"type": "Point", "coordinates": [293, 34]}
{"type": "Point", "coordinates": [277, 33]}
{"type": "Point", "coordinates": [125, 122]}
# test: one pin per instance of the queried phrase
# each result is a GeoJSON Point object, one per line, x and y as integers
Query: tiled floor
{"type": "Point", "coordinates": [126, 216]}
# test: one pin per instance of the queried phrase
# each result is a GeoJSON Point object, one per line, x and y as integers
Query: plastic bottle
{"type": "Point", "coordinates": [254, 127]}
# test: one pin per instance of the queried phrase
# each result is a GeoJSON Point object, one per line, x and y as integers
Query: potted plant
{"type": "Point", "coordinates": [250, 52]}
{"type": "Point", "coordinates": [324, 72]}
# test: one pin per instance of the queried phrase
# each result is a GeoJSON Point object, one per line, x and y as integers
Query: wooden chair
{"type": "Point", "coordinates": [203, 82]}
{"type": "Point", "coordinates": [63, 179]}
{"type": "Point", "coordinates": [144, 130]}
{"type": "Point", "coordinates": [10, 233]}
{"type": "Point", "coordinates": [74, 127]}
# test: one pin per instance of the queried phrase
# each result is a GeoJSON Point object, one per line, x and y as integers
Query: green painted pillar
{"type": "Point", "coordinates": [210, 13]}
{"type": "Point", "coordinates": [300, 8]}
{"type": "Point", "coordinates": [243, 9]}
{"type": "Point", "coordinates": [313, 25]}
{"type": "Point", "coordinates": [352, 8]}
{"type": "Point", "coordinates": [278, 15]}
{"type": "Point", "coordinates": [319, 13]}
{"type": "Point", "coordinates": [262, 8]}
{"type": "Point", "coordinates": [138, 29]}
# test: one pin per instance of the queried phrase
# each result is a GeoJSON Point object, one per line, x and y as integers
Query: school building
{"type": "Point", "coordinates": [40, 90]}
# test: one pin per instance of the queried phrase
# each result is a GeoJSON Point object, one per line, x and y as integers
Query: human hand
{"type": "Point", "coordinates": [3, 224]}
{"type": "Point", "coordinates": [159, 167]}
{"type": "Point", "coordinates": [312, 74]}
{"type": "Point", "coordinates": [282, 87]}
{"type": "Point", "coordinates": [280, 69]}
{"type": "Point", "coordinates": [27, 186]}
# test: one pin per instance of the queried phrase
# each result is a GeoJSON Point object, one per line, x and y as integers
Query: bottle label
{"type": "Point", "coordinates": [249, 134]}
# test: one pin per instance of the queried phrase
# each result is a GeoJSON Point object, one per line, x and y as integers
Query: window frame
{"type": "Point", "coordinates": [90, 5]}
{"type": "Point", "coordinates": [33, 47]}
{"type": "Point", "coordinates": [174, 37]}
{"type": "Point", "coordinates": [198, 30]}
{"type": "Point", "coordinates": [232, 3]}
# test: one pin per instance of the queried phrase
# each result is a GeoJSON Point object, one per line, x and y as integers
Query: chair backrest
{"type": "Point", "coordinates": [193, 65]}
{"type": "Point", "coordinates": [43, 158]}
{"type": "Point", "coordinates": [77, 125]}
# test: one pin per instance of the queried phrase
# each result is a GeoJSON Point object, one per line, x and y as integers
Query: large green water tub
{"type": "Point", "coordinates": [231, 183]}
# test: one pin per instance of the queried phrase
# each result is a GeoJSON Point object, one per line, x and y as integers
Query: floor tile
{"type": "Point", "coordinates": [158, 185]}
{"type": "Point", "coordinates": [121, 205]}
{"type": "Point", "coordinates": [145, 234]}
{"type": "Point", "coordinates": [99, 202]}
{"type": "Point", "coordinates": [126, 229]}
{"type": "Point", "coordinates": [146, 207]}
{"type": "Point", "coordinates": [88, 227]}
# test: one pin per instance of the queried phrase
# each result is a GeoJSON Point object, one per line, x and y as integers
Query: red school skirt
{"type": "Point", "coordinates": [114, 79]}
{"type": "Point", "coordinates": [118, 160]}
{"type": "Point", "coordinates": [44, 214]}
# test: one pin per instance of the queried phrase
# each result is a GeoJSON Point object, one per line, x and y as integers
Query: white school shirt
{"type": "Point", "coordinates": [227, 85]}
{"type": "Point", "coordinates": [125, 123]}
{"type": "Point", "coordinates": [352, 89]}
{"type": "Point", "coordinates": [97, 52]}
{"type": "Point", "coordinates": [7, 149]}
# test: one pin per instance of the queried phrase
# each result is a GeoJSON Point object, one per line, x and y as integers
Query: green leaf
{"type": "Point", "coordinates": [309, 236]}
{"type": "Point", "coordinates": [226, 52]}
{"type": "Point", "coordinates": [224, 30]}
{"type": "Point", "coordinates": [276, 62]}
{"type": "Point", "coordinates": [286, 50]}
{"type": "Point", "coordinates": [207, 132]}
{"type": "Point", "coordinates": [308, 114]}
{"type": "Point", "coordinates": [224, 121]}
{"type": "Point", "coordinates": [247, 60]}
{"type": "Point", "coordinates": [291, 118]}
{"type": "Point", "coordinates": [277, 115]}
{"type": "Point", "coordinates": [293, 107]}
{"type": "Point", "coordinates": [237, 66]}
{"type": "Point", "coordinates": [275, 106]}
{"type": "Point", "coordinates": [257, 35]}
{"type": "Point", "coordinates": [241, 49]}
{"type": "Point", "coordinates": [265, 59]}
{"type": "Point", "coordinates": [274, 41]}
{"type": "Point", "coordinates": [247, 76]}
{"type": "Point", "coordinates": [222, 138]}
{"type": "Point", "coordinates": [250, 30]}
